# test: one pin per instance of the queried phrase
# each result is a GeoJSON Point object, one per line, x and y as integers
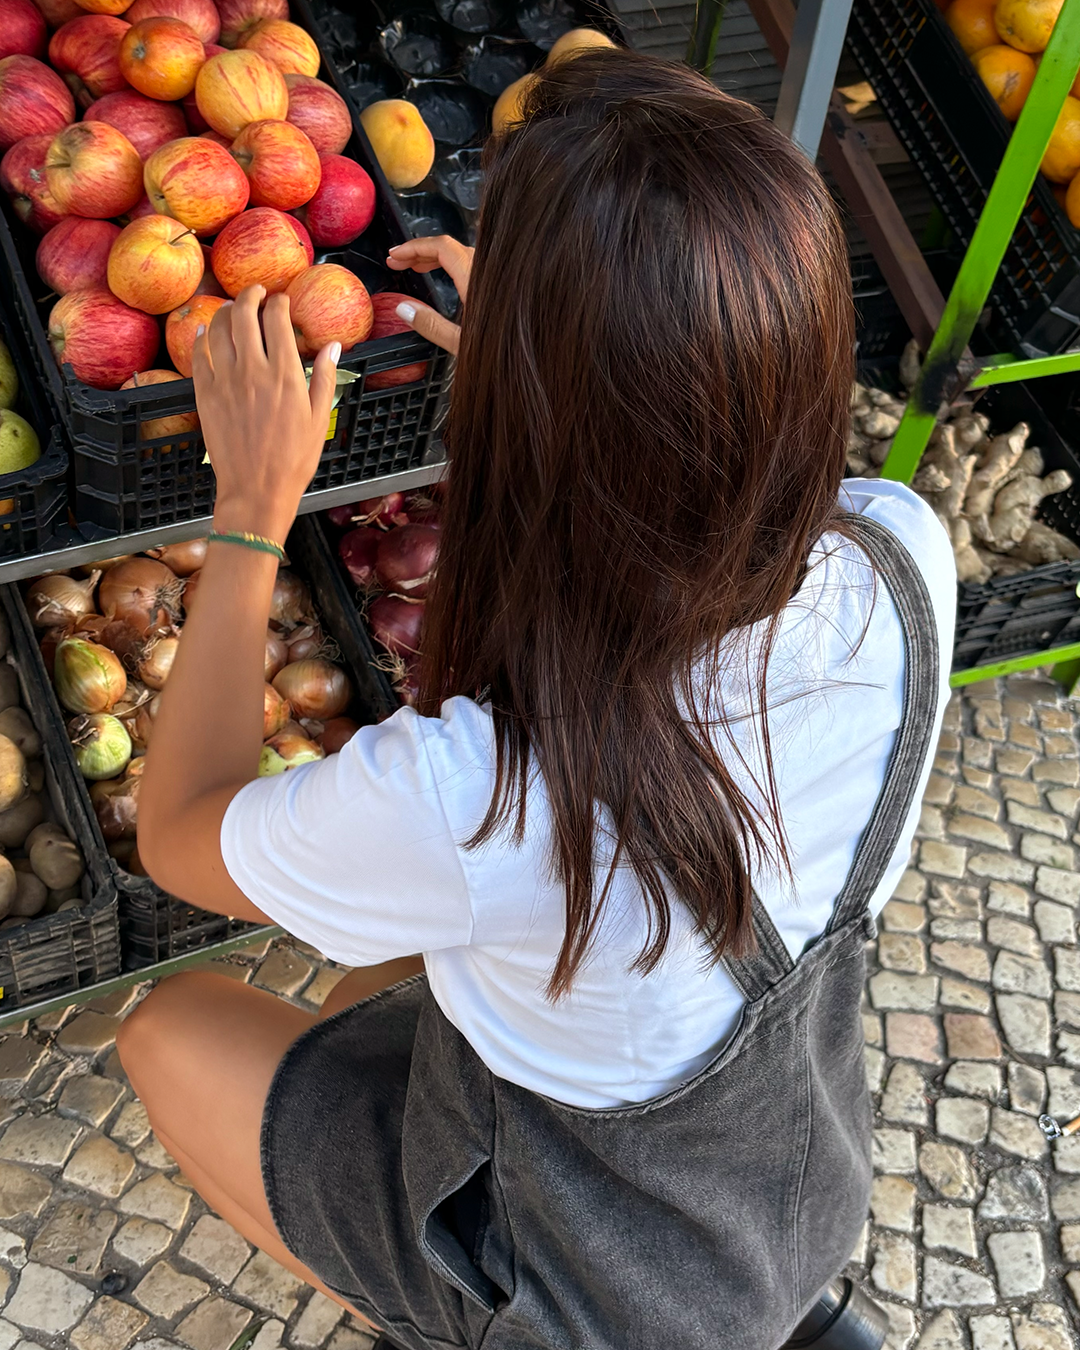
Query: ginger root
{"type": "Point", "coordinates": [1014, 506]}
{"type": "Point", "coordinates": [998, 458]}
{"type": "Point", "coordinates": [970, 565]}
{"type": "Point", "coordinates": [1041, 545]}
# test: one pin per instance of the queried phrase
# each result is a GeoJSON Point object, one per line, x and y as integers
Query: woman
{"type": "Point", "coordinates": [679, 697]}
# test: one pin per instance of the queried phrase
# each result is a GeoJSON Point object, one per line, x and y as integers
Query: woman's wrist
{"type": "Point", "coordinates": [268, 521]}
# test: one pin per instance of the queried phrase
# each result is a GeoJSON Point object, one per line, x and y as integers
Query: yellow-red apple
{"type": "Point", "coordinates": [155, 264]}
{"type": "Point", "coordinates": [22, 176]}
{"type": "Point", "coordinates": [197, 182]}
{"type": "Point", "coordinates": [104, 6]}
{"type": "Point", "coordinates": [146, 122]}
{"type": "Point", "coordinates": [104, 340]}
{"type": "Point", "coordinates": [201, 15]}
{"type": "Point", "coordinates": [237, 16]}
{"type": "Point", "coordinates": [22, 29]}
{"type": "Point", "coordinates": [261, 247]}
{"type": "Point", "coordinates": [35, 101]}
{"type": "Point", "coordinates": [217, 138]}
{"type": "Point", "coordinates": [291, 48]}
{"type": "Point", "coordinates": [343, 204]}
{"type": "Point", "coordinates": [209, 284]}
{"type": "Point", "coordinates": [236, 88]}
{"type": "Point", "coordinates": [320, 112]}
{"type": "Point", "coordinates": [173, 424]}
{"type": "Point", "coordinates": [160, 57]}
{"type": "Point", "coordinates": [182, 327]}
{"type": "Point", "coordinates": [328, 303]}
{"type": "Point", "coordinates": [94, 170]}
{"type": "Point", "coordinates": [143, 207]}
{"type": "Point", "coordinates": [389, 324]}
{"type": "Point", "coordinates": [74, 255]}
{"type": "Point", "coordinates": [86, 52]}
{"type": "Point", "coordinates": [281, 164]}
{"type": "Point", "coordinates": [58, 12]}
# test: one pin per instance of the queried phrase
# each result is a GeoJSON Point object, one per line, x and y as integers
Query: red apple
{"type": "Point", "coordinates": [236, 88]}
{"type": "Point", "coordinates": [58, 12]}
{"type": "Point", "coordinates": [197, 123]}
{"type": "Point", "coordinates": [261, 247]}
{"type": "Point", "coordinates": [22, 176]}
{"type": "Point", "coordinates": [329, 303]}
{"type": "Point", "coordinates": [182, 326]}
{"type": "Point", "coordinates": [320, 112]}
{"type": "Point", "coordinates": [281, 164]}
{"type": "Point", "coordinates": [74, 255]}
{"type": "Point", "coordinates": [34, 100]}
{"type": "Point", "coordinates": [22, 29]}
{"type": "Point", "coordinates": [217, 138]}
{"type": "Point", "coordinates": [160, 57]}
{"type": "Point", "coordinates": [201, 15]}
{"type": "Point", "coordinates": [94, 170]}
{"type": "Point", "coordinates": [143, 207]}
{"type": "Point", "coordinates": [343, 204]}
{"type": "Point", "coordinates": [388, 324]}
{"type": "Point", "coordinates": [146, 122]}
{"type": "Point", "coordinates": [105, 6]}
{"type": "Point", "coordinates": [104, 340]}
{"type": "Point", "coordinates": [155, 264]}
{"type": "Point", "coordinates": [209, 284]}
{"type": "Point", "coordinates": [237, 16]}
{"type": "Point", "coordinates": [173, 424]}
{"type": "Point", "coordinates": [197, 182]}
{"type": "Point", "coordinates": [291, 48]}
{"type": "Point", "coordinates": [86, 52]}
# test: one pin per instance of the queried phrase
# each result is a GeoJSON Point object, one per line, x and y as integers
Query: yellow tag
{"type": "Point", "coordinates": [333, 424]}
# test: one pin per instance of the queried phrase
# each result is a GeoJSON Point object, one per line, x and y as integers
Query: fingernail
{"type": "Point", "coordinates": [394, 247]}
{"type": "Point", "coordinates": [406, 312]}
{"type": "Point", "coordinates": [335, 352]}
{"type": "Point", "coordinates": [200, 330]}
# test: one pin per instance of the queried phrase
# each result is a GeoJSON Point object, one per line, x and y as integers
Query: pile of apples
{"type": "Point", "coordinates": [208, 158]}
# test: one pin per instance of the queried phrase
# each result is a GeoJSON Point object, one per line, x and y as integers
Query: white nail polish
{"type": "Point", "coordinates": [200, 330]}
{"type": "Point", "coordinates": [335, 352]}
{"type": "Point", "coordinates": [406, 312]}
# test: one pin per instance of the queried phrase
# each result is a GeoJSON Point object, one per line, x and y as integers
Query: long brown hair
{"type": "Point", "coordinates": [647, 433]}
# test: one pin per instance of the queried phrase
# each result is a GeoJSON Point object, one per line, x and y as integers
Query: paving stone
{"type": "Point", "coordinates": [142, 1241]}
{"type": "Point", "coordinates": [154, 1154]}
{"type": "Point", "coordinates": [1055, 719]}
{"type": "Point", "coordinates": [1066, 772]}
{"type": "Point", "coordinates": [893, 1151]}
{"type": "Point", "coordinates": [911, 886]}
{"type": "Point", "coordinates": [348, 1338]}
{"type": "Point", "coordinates": [1016, 1133]}
{"type": "Point", "coordinates": [1025, 1022]}
{"type": "Point", "coordinates": [892, 991]}
{"type": "Point", "coordinates": [1043, 1328]}
{"type": "Point", "coordinates": [901, 951]}
{"type": "Point", "coordinates": [10, 1335]}
{"type": "Point", "coordinates": [21, 1192]}
{"type": "Point", "coordinates": [118, 1002]}
{"type": "Point", "coordinates": [1059, 745]}
{"type": "Point", "coordinates": [947, 1169]}
{"type": "Point", "coordinates": [892, 1267]}
{"type": "Point", "coordinates": [950, 901]}
{"type": "Point", "coordinates": [268, 1285]}
{"type": "Point", "coordinates": [874, 1064]}
{"type": "Point", "coordinates": [270, 1336]}
{"type": "Point", "coordinates": [132, 1125]}
{"type": "Point", "coordinates": [74, 1237]}
{"type": "Point", "coordinates": [88, 1034]}
{"type": "Point", "coordinates": [956, 930]}
{"type": "Point", "coordinates": [970, 1036]}
{"type": "Point", "coordinates": [961, 994]}
{"type": "Point", "coordinates": [1072, 1279]}
{"type": "Point", "coordinates": [1040, 848]}
{"type": "Point", "coordinates": [1000, 867]}
{"type": "Point", "coordinates": [1021, 975]}
{"type": "Point", "coordinates": [1055, 923]}
{"type": "Point", "coordinates": [931, 823]}
{"type": "Point", "coordinates": [979, 831]}
{"type": "Point", "coordinates": [949, 1227]}
{"type": "Point", "coordinates": [20, 1057]}
{"type": "Point", "coordinates": [316, 1322]}
{"type": "Point", "coordinates": [216, 1248]}
{"type": "Point", "coordinates": [165, 1292]}
{"type": "Point", "coordinates": [1064, 1086]}
{"type": "Point", "coordinates": [899, 916]}
{"type": "Point", "coordinates": [872, 1033]}
{"type": "Point", "coordinates": [1070, 1241]}
{"type": "Point", "coordinates": [1066, 1154]}
{"type": "Point", "coordinates": [1018, 1261]}
{"type": "Point", "coordinates": [109, 1325]}
{"type": "Point", "coordinates": [1026, 738]}
{"type": "Point", "coordinates": [904, 1098]}
{"type": "Point", "coordinates": [101, 1166]}
{"type": "Point", "coordinates": [1065, 1200]}
{"type": "Point", "coordinates": [326, 980]}
{"type": "Point", "coordinates": [1020, 790]}
{"type": "Point", "coordinates": [892, 1203]}
{"type": "Point", "coordinates": [47, 1300]}
{"type": "Point", "coordinates": [978, 751]}
{"type": "Point", "coordinates": [970, 800]}
{"type": "Point", "coordinates": [901, 1330]}
{"type": "Point", "coordinates": [1058, 885]}
{"type": "Point", "coordinates": [858, 1252]}
{"type": "Point", "coordinates": [43, 1141]}
{"type": "Point", "coordinates": [1069, 1048]}
{"type": "Point", "coordinates": [967, 960]}
{"type": "Point", "coordinates": [950, 1286]}
{"type": "Point", "coordinates": [90, 1099]}
{"type": "Point", "coordinates": [913, 1036]}
{"type": "Point", "coordinates": [1067, 969]}
{"type": "Point", "coordinates": [1005, 898]}
{"type": "Point", "coordinates": [283, 972]}
{"type": "Point", "coordinates": [214, 1325]}
{"type": "Point", "coordinates": [157, 1198]}
{"type": "Point", "coordinates": [1066, 801]}
{"type": "Point", "coordinates": [1014, 936]}
{"type": "Point", "coordinates": [991, 1332]}
{"type": "Point", "coordinates": [939, 791]}
{"type": "Point", "coordinates": [943, 1333]}
{"type": "Point", "coordinates": [948, 741]}
{"type": "Point", "coordinates": [1027, 1089]}
{"type": "Point", "coordinates": [1067, 1008]}
{"type": "Point", "coordinates": [1044, 822]}
{"type": "Point", "coordinates": [970, 1078]}
{"type": "Point", "coordinates": [1014, 762]}
{"type": "Point", "coordinates": [12, 1249]}
{"type": "Point", "coordinates": [947, 860]}
{"type": "Point", "coordinates": [962, 1118]}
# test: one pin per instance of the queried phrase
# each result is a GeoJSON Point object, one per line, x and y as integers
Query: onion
{"type": "Point", "coordinates": [102, 564]}
{"type": "Point", "coordinates": [407, 687]}
{"type": "Point", "coordinates": [290, 603]}
{"type": "Point", "coordinates": [406, 559]}
{"type": "Point", "coordinates": [357, 550]}
{"type": "Point", "coordinates": [88, 677]}
{"type": "Point", "coordinates": [102, 745]}
{"type": "Point", "coordinates": [276, 655]}
{"type": "Point", "coordinates": [154, 668]}
{"type": "Point", "coordinates": [134, 696]}
{"type": "Point", "coordinates": [143, 593]}
{"type": "Point", "coordinates": [116, 805]}
{"type": "Point", "coordinates": [141, 726]}
{"type": "Point", "coordinates": [314, 688]}
{"type": "Point", "coordinates": [304, 643]}
{"type": "Point", "coordinates": [58, 600]}
{"type": "Point", "coordinates": [304, 729]}
{"type": "Point", "coordinates": [136, 767]}
{"type": "Point", "coordinates": [397, 624]}
{"type": "Point", "coordinates": [181, 559]}
{"type": "Point", "coordinates": [338, 732]}
{"type": "Point", "coordinates": [191, 585]}
{"type": "Point", "coordinates": [287, 752]}
{"type": "Point", "coordinates": [384, 511]}
{"type": "Point", "coordinates": [51, 639]}
{"type": "Point", "coordinates": [276, 711]}
{"type": "Point", "coordinates": [421, 509]}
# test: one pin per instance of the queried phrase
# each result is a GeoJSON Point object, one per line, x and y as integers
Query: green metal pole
{"type": "Point", "coordinates": [1006, 199]}
{"type": "Point", "coordinates": [708, 16]}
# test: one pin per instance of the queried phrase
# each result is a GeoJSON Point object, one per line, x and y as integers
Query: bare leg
{"type": "Point", "coordinates": [367, 980]}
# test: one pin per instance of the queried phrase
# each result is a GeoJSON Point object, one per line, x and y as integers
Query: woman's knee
{"type": "Point", "coordinates": [144, 1034]}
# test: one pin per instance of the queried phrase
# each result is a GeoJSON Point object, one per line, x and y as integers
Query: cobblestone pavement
{"type": "Point", "coordinates": [972, 1019]}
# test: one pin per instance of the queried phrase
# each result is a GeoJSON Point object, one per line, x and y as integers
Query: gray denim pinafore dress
{"type": "Point", "coordinates": [453, 1208]}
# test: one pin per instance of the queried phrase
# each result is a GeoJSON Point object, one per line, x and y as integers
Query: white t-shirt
{"type": "Point", "coordinates": [360, 854]}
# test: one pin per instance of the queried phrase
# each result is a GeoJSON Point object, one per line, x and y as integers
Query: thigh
{"type": "Point", "coordinates": [364, 981]}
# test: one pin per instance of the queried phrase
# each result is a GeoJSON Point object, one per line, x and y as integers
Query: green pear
{"type": "Point", "coordinates": [9, 381]}
{"type": "Point", "coordinates": [19, 444]}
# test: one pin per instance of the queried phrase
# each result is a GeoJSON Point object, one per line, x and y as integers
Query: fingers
{"type": "Point", "coordinates": [246, 331]}
{"type": "Point", "coordinates": [280, 338]}
{"type": "Point", "coordinates": [202, 368]}
{"type": "Point", "coordinates": [220, 339]}
{"type": "Point", "coordinates": [424, 255]}
{"type": "Point", "coordinates": [323, 386]}
{"type": "Point", "coordinates": [431, 325]}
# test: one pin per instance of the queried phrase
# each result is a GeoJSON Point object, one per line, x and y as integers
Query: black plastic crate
{"type": "Point", "coordinates": [125, 481]}
{"type": "Point", "coordinates": [956, 135]}
{"type": "Point", "coordinates": [56, 954]}
{"type": "Point", "coordinates": [1017, 616]}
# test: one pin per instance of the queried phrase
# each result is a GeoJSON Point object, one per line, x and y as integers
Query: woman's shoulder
{"type": "Point", "coordinates": [906, 515]}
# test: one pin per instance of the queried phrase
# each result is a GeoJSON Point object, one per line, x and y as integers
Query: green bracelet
{"type": "Point", "coordinates": [258, 542]}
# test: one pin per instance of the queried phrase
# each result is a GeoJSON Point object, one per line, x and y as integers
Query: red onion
{"type": "Point", "coordinates": [342, 516]}
{"type": "Point", "coordinates": [183, 558]}
{"type": "Point", "coordinates": [406, 559]}
{"type": "Point", "coordinates": [314, 689]}
{"type": "Point", "coordinates": [408, 687]}
{"type": "Point", "coordinates": [275, 711]}
{"type": "Point", "coordinates": [142, 592]}
{"type": "Point", "coordinates": [116, 804]}
{"type": "Point", "coordinates": [384, 511]}
{"type": "Point", "coordinates": [58, 600]}
{"type": "Point", "coordinates": [338, 732]}
{"type": "Point", "coordinates": [421, 508]}
{"type": "Point", "coordinates": [397, 624]}
{"type": "Point", "coordinates": [276, 655]}
{"type": "Point", "coordinates": [357, 551]}
{"type": "Point", "coordinates": [290, 603]}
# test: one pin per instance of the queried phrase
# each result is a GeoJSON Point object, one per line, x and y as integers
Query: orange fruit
{"type": "Point", "coordinates": [1061, 163]}
{"type": "Point", "coordinates": [1027, 24]}
{"type": "Point", "coordinates": [1072, 201]}
{"type": "Point", "coordinates": [1008, 74]}
{"type": "Point", "coordinates": [973, 23]}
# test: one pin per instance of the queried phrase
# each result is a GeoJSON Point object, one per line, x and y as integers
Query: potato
{"type": "Point", "coordinates": [57, 862]}
{"type": "Point", "coordinates": [58, 898]}
{"type": "Point", "coordinates": [35, 775]}
{"type": "Point", "coordinates": [9, 686]}
{"type": "Point", "coordinates": [17, 822]}
{"type": "Point", "coordinates": [15, 724]}
{"type": "Point", "coordinates": [13, 782]}
{"type": "Point", "coordinates": [70, 904]}
{"type": "Point", "coordinates": [8, 887]}
{"type": "Point", "coordinates": [48, 830]}
{"type": "Point", "coordinates": [30, 895]}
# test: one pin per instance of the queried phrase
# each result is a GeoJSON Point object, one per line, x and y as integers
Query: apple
{"type": "Point", "coordinates": [209, 284]}
{"type": "Point", "coordinates": [155, 264]}
{"type": "Point", "coordinates": [291, 48]}
{"type": "Point", "coordinates": [197, 182]}
{"type": "Point", "coordinates": [146, 122]}
{"type": "Point", "coordinates": [182, 327]}
{"type": "Point", "coordinates": [58, 12]}
{"type": "Point", "coordinates": [237, 16]}
{"type": "Point", "coordinates": [74, 255]}
{"type": "Point", "coordinates": [388, 324]}
{"type": "Point", "coordinates": [104, 6]}
{"type": "Point", "coordinates": [94, 170]}
{"type": "Point", "coordinates": [236, 88]}
{"type": "Point", "coordinates": [217, 138]}
{"type": "Point", "coordinates": [86, 52]}
{"type": "Point", "coordinates": [34, 100]}
{"type": "Point", "coordinates": [22, 29]}
{"type": "Point", "coordinates": [281, 164]}
{"type": "Point", "coordinates": [104, 340]}
{"type": "Point", "coordinates": [320, 112]}
{"type": "Point", "coordinates": [261, 247]}
{"type": "Point", "coordinates": [197, 123]}
{"type": "Point", "coordinates": [174, 424]}
{"type": "Point", "coordinates": [328, 303]}
{"type": "Point", "coordinates": [22, 176]}
{"type": "Point", "coordinates": [343, 205]}
{"type": "Point", "coordinates": [143, 207]}
{"type": "Point", "coordinates": [160, 57]}
{"type": "Point", "coordinates": [201, 15]}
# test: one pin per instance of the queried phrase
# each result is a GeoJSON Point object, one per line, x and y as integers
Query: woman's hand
{"type": "Point", "coordinates": [424, 255]}
{"type": "Point", "coordinates": [264, 430]}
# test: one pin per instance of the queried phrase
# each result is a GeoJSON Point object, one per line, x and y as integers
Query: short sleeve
{"type": "Point", "coordinates": [354, 853]}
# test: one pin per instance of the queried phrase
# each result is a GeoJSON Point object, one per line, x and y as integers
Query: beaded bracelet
{"type": "Point", "coordinates": [258, 542]}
